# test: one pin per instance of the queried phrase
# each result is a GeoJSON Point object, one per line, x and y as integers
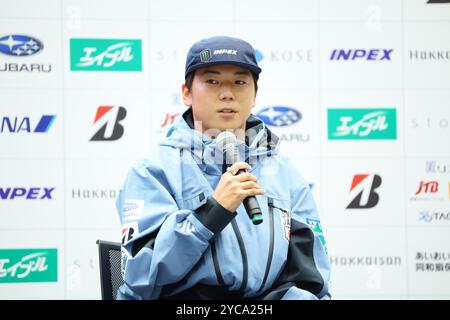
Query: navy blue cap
{"type": "Point", "coordinates": [221, 50]}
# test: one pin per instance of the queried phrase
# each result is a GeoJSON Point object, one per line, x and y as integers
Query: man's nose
{"type": "Point", "coordinates": [226, 94]}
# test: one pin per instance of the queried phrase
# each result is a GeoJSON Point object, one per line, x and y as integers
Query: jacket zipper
{"type": "Point", "coordinates": [271, 243]}
{"type": "Point", "coordinates": [243, 255]}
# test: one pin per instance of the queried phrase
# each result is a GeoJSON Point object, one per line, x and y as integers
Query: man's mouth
{"type": "Point", "coordinates": [227, 110]}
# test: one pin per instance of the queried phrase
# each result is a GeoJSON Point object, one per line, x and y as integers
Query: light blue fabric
{"type": "Point", "coordinates": [170, 184]}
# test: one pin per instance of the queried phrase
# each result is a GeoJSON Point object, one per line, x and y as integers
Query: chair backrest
{"type": "Point", "coordinates": [110, 269]}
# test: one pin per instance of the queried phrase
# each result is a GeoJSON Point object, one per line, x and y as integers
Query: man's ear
{"type": "Point", "coordinates": [186, 94]}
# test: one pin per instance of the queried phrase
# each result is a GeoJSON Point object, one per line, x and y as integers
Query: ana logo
{"type": "Point", "coordinates": [362, 124]}
{"type": "Point", "coordinates": [361, 54]}
{"type": "Point", "coordinates": [26, 193]}
{"type": "Point", "coordinates": [205, 55]}
{"type": "Point", "coordinates": [28, 265]}
{"type": "Point", "coordinates": [108, 119]}
{"type": "Point", "coordinates": [364, 186]}
{"type": "Point", "coordinates": [105, 55]}
{"type": "Point", "coordinates": [279, 116]}
{"type": "Point", "coordinates": [19, 45]}
{"type": "Point", "coordinates": [170, 118]}
{"type": "Point", "coordinates": [17, 125]}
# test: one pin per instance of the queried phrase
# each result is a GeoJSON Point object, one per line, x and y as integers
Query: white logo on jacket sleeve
{"type": "Point", "coordinates": [186, 227]}
{"type": "Point", "coordinates": [132, 209]}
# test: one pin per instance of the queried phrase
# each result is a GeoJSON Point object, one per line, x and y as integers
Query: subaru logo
{"type": "Point", "coordinates": [19, 45]}
{"type": "Point", "coordinates": [279, 116]}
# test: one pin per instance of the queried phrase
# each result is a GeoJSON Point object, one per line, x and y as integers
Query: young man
{"type": "Point", "coordinates": [187, 233]}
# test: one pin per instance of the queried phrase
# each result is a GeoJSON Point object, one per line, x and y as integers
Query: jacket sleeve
{"type": "Point", "coordinates": [166, 241]}
{"type": "Point", "coordinates": [307, 270]}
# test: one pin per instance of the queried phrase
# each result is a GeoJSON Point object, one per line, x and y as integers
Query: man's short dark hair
{"type": "Point", "coordinates": [190, 78]}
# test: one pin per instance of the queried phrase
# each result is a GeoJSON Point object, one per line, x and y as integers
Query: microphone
{"type": "Point", "coordinates": [226, 142]}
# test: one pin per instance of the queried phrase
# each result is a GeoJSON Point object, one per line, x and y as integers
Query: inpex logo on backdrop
{"type": "Point", "coordinates": [24, 124]}
{"type": "Point", "coordinates": [284, 117]}
{"type": "Point", "coordinates": [34, 193]}
{"type": "Point", "coordinates": [363, 191]}
{"type": "Point", "coordinates": [108, 118]}
{"type": "Point", "coordinates": [105, 55]}
{"type": "Point", "coordinates": [284, 55]}
{"type": "Point", "coordinates": [28, 265]}
{"type": "Point", "coordinates": [361, 54]}
{"type": "Point", "coordinates": [362, 124]}
{"type": "Point", "coordinates": [22, 47]}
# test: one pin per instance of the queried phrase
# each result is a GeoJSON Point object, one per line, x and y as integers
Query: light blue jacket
{"type": "Point", "coordinates": [178, 242]}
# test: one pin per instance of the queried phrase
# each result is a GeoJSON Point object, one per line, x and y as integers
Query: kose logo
{"type": "Point", "coordinates": [361, 54]}
{"type": "Point", "coordinates": [105, 55]}
{"type": "Point", "coordinates": [285, 56]}
{"type": "Point", "coordinates": [28, 265]}
{"type": "Point", "coordinates": [108, 119]}
{"type": "Point", "coordinates": [26, 193]}
{"type": "Point", "coordinates": [20, 45]}
{"type": "Point", "coordinates": [279, 116]}
{"type": "Point", "coordinates": [17, 125]}
{"type": "Point", "coordinates": [364, 186]}
{"type": "Point", "coordinates": [362, 124]}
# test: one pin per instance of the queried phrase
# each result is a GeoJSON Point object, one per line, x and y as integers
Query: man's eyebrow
{"type": "Point", "coordinates": [207, 71]}
{"type": "Point", "coordinates": [238, 73]}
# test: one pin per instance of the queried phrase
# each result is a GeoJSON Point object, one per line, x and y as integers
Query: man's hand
{"type": "Point", "coordinates": [233, 189]}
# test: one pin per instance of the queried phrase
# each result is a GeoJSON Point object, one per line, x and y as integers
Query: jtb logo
{"type": "Point", "coordinates": [361, 54]}
{"type": "Point", "coordinates": [29, 194]}
{"type": "Point", "coordinates": [364, 185]}
{"type": "Point", "coordinates": [109, 117]}
{"type": "Point", "coordinates": [428, 187]}
{"type": "Point", "coordinates": [17, 125]}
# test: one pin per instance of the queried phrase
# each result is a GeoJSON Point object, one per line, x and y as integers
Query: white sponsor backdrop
{"type": "Point", "coordinates": [397, 248]}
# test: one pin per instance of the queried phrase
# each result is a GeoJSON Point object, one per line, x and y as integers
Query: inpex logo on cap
{"type": "Point", "coordinates": [225, 51]}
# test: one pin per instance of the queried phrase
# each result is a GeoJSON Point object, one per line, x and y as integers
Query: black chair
{"type": "Point", "coordinates": [110, 270]}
